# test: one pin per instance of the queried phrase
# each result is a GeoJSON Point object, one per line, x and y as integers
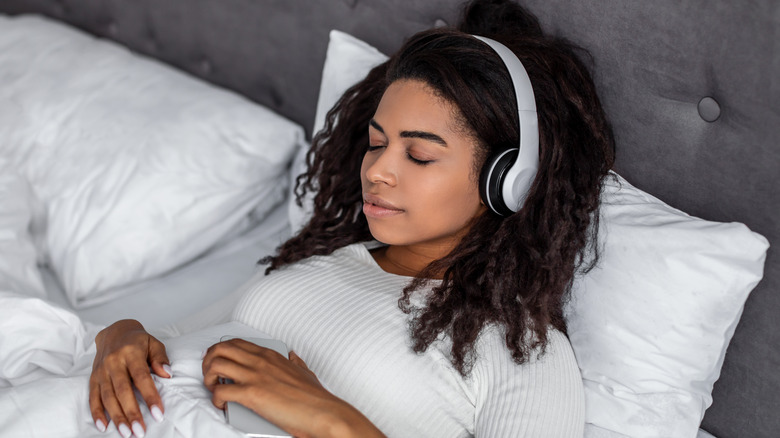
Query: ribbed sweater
{"type": "Point", "coordinates": [340, 314]}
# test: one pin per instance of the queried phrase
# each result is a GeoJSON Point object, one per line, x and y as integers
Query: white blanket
{"type": "Point", "coordinates": [46, 356]}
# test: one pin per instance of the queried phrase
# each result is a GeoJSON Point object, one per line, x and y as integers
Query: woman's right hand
{"type": "Point", "coordinates": [125, 352]}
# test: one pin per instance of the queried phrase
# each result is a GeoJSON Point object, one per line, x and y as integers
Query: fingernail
{"type": "Point", "coordinates": [157, 414]}
{"type": "Point", "coordinates": [124, 430]}
{"type": "Point", "coordinates": [138, 430]}
{"type": "Point", "coordinates": [203, 354]}
{"type": "Point", "coordinates": [100, 425]}
{"type": "Point", "coordinates": [168, 370]}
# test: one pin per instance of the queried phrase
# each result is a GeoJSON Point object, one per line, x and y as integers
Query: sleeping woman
{"type": "Point", "coordinates": [419, 302]}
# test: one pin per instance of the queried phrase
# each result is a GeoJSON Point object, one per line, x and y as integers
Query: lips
{"type": "Point", "coordinates": [376, 207]}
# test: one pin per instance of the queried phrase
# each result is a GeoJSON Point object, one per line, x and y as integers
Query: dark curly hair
{"type": "Point", "coordinates": [512, 272]}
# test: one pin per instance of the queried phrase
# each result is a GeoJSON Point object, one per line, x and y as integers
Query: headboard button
{"type": "Point", "coordinates": [59, 8]}
{"type": "Point", "coordinates": [205, 66]}
{"type": "Point", "coordinates": [709, 109]}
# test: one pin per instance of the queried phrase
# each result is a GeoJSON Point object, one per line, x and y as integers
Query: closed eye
{"type": "Point", "coordinates": [418, 161]}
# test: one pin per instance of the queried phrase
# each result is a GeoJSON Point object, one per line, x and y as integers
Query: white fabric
{"type": "Point", "coordinates": [18, 267]}
{"type": "Point", "coordinates": [650, 325]}
{"type": "Point", "coordinates": [593, 431]}
{"type": "Point", "coordinates": [46, 356]}
{"type": "Point", "coordinates": [347, 61]}
{"type": "Point", "coordinates": [141, 167]}
{"type": "Point", "coordinates": [203, 287]}
{"type": "Point", "coordinates": [340, 314]}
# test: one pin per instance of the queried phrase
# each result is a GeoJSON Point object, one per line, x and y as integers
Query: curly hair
{"type": "Point", "coordinates": [514, 272]}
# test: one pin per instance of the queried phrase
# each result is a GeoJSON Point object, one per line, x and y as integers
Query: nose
{"type": "Point", "coordinates": [380, 167]}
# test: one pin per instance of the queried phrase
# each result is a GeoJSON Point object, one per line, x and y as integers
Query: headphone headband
{"type": "Point", "coordinates": [510, 186]}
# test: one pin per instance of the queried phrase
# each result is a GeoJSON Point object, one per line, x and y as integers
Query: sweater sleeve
{"type": "Point", "coordinates": [540, 398]}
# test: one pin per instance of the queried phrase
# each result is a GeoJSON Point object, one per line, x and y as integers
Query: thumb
{"type": "Point", "coordinates": [158, 358]}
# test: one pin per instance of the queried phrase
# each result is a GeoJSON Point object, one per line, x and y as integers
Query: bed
{"type": "Point", "coordinates": [690, 87]}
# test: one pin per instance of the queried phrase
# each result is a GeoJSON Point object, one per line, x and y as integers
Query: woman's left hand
{"type": "Point", "coordinates": [283, 391]}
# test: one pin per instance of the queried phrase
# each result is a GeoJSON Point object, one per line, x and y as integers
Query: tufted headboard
{"type": "Point", "coordinates": [691, 86]}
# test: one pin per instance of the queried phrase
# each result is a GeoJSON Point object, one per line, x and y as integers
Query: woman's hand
{"type": "Point", "coordinates": [284, 391]}
{"type": "Point", "coordinates": [125, 351]}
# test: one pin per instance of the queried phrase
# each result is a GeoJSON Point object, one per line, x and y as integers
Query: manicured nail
{"type": "Point", "coordinates": [124, 430]}
{"type": "Point", "coordinates": [168, 370]}
{"type": "Point", "coordinates": [100, 425]}
{"type": "Point", "coordinates": [157, 414]}
{"type": "Point", "coordinates": [138, 430]}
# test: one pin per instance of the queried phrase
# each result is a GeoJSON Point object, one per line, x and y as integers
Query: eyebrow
{"type": "Point", "coordinates": [429, 136]}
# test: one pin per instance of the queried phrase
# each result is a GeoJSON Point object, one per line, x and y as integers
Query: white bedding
{"type": "Point", "coordinates": [46, 348]}
{"type": "Point", "coordinates": [46, 354]}
{"type": "Point", "coordinates": [137, 168]}
{"type": "Point", "coordinates": [169, 298]}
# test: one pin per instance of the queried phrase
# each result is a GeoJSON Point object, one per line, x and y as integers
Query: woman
{"type": "Point", "coordinates": [452, 324]}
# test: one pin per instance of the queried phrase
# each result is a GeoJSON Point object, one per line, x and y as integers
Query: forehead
{"type": "Point", "coordinates": [414, 105]}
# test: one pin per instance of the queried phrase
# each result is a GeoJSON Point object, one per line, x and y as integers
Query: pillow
{"type": "Point", "coordinates": [141, 167]}
{"type": "Point", "coordinates": [18, 267]}
{"type": "Point", "coordinates": [651, 323]}
{"type": "Point", "coordinates": [347, 61]}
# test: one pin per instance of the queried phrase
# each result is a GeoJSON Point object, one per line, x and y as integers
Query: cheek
{"type": "Point", "coordinates": [454, 200]}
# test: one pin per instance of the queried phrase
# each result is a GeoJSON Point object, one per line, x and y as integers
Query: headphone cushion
{"type": "Point", "coordinates": [491, 181]}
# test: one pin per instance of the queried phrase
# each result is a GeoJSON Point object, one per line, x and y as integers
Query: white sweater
{"type": "Point", "coordinates": [340, 314]}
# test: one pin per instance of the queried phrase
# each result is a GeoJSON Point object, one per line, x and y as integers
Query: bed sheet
{"type": "Point", "coordinates": [183, 292]}
{"type": "Point", "coordinates": [45, 372]}
{"type": "Point", "coordinates": [592, 431]}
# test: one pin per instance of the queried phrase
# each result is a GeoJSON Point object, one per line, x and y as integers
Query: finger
{"type": "Point", "coordinates": [108, 397]}
{"type": "Point", "coordinates": [143, 381]}
{"type": "Point", "coordinates": [96, 405]}
{"type": "Point", "coordinates": [233, 347]}
{"type": "Point", "coordinates": [223, 350]}
{"type": "Point", "coordinates": [225, 393]}
{"type": "Point", "coordinates": [247, 346]}
{"type": "Point", "coordinates": [123, 390]}
{"type": "Point", "coordinates": [158, 359]}
{"type": "Point", "coordinates": [221, 367]}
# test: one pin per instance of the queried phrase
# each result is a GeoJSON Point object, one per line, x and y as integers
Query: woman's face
{"type": "Point", "coordinates": [419, 186]}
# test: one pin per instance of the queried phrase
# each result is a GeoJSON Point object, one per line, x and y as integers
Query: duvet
{"type": "Point", "coordinates": [45, 360]}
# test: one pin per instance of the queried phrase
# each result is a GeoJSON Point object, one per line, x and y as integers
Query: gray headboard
{"type": "Point", "coordinates": [692, 88]}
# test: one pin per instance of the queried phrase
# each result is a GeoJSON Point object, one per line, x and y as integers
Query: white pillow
{"type": "Point", "coordinates": [347, 61]}
{"type": "Point", "coordinates": [18, 268]}
{"type": "Point", "coordinates": [142, 168]}
{"type": "Point", "coordinates": [650, 325]}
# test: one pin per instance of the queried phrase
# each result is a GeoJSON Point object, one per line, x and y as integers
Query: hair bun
{"type": "Point", "coordinates": [498, 17]}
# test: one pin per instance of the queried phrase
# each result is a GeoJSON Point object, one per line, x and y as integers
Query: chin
{"type": "Point", "coordinates": [379, 236]}
{"type": "Point", "coordinates": [386, 234]}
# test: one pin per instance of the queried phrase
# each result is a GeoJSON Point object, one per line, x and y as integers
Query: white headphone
{"type": "Point", "coordinates": [507, 176]}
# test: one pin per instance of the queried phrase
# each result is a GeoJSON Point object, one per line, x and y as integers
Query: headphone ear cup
{"type": "Point", "coordinates": [491, 181]}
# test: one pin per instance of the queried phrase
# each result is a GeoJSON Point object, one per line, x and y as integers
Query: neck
{"type": "Point", "coordinates": [407, 260]}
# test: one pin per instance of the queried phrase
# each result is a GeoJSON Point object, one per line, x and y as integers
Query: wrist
{"type": "Point", "coordinates": [348, 422]}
